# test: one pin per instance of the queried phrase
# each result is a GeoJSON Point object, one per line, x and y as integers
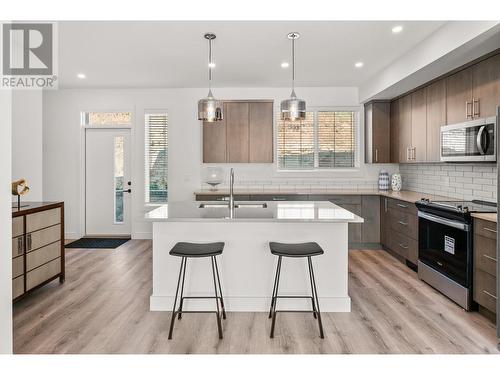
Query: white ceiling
{"type": "Point", "coordinates": [248, 54]}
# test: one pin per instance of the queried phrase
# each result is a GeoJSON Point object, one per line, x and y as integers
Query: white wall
{"type": "Point", "coordinates": [5, 224]}
{"type": "Point", "coordinates": [62, 140]}
{"type": "Point", "coordinates": [27, 141]}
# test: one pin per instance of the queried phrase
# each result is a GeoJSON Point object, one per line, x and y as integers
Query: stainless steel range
{"type": "Point", "coordinates": [445, 246]}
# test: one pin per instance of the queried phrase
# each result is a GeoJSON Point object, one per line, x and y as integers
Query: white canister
{"type": "Point", "coordinates": [396, 182]}
{"type": "Point", "coordinates": [383, 180]}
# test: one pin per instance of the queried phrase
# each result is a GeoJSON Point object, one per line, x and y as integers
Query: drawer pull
{"type": "Point", "coordinates": [29, 242]}
{"type": "Point", "coordinates": [490, 258]}
{"type": "Point", "coordinates": [279, 198]}
{"type": "Point", "coordinates": [403, 246]}
{"type": "Point", "coordinates": [402, 223]}
{"type": "Point", "coordinates": [490, 230]}
{"type": "Point", "coordinates": [489, 294]}
{"type": "Point", "coordinates": [402, 205]}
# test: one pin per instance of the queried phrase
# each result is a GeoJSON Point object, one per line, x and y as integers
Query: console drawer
{"type": "Point", "coordinates": [42, 273]}
{"type": "Point", "coordinates": [17, 286]}
{"type": "Point", "coordinates": [43, 219]}
{"type": "Point", "coordinates": [43, 237]}
{"type": "Point", "coordinates": [17, 267]}
{"type": "Point", "coordinates": [43, 255]}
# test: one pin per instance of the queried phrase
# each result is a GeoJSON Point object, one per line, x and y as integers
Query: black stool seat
{"type": "Point", "coordinates": [295, 250]}
{"type": "Point", "coordinates": [197, 250]}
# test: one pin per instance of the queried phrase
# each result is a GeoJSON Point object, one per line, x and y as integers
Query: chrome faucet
{"type": "Point", "coordinates": [231, 194]}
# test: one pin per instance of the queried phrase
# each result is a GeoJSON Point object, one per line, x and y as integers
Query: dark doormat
{"type": "Point", "coordinates": [97, 243]}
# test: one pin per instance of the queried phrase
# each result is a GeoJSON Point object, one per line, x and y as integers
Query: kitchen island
{"type": "Point", "coordinates": [246, 265]}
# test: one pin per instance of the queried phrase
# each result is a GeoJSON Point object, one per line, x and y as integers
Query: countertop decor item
{"type": "Point", "coordinates": [396, 182]}
{"type": "Point", "coordinates": [209, 108]}
{"type": "Point", "coordinates": [19, 187]}
{"type": "Point", "coordinates": [293, 109]}
{"type": "Point", "coordinates": [383, 180]}
{"type": "Point", "coordinates": [214, 177]}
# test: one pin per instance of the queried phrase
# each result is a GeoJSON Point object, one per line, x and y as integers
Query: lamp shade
{"type": "Point", "coordinates": [293, 109]}
{"type": "Point", "coordinates": [210, 109]}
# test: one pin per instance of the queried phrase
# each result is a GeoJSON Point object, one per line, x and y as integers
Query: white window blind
{"type": "Point", "coordinates": [324, 140]}
{"type": "Point", "coordinates": [156, 168]}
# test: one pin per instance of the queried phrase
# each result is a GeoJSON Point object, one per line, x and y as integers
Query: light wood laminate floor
{"type": "Point", "coordinates": [104, 308]}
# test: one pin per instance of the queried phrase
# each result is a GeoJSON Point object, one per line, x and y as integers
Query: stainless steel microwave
{"type": "Point", "coordinates": [471, 141]}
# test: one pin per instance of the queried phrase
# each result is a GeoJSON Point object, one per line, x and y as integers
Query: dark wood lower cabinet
{"type": "Point", "coordinates": [485, 263]}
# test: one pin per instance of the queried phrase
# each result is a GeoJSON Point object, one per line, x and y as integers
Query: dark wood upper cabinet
{"type": "Point", "coordinates": [419, 125]}
{"type": "Point", "coordinates": [261, 132]}
{"type": "Point", "coordinates": [394, 133]}
{"type": "Point", "coordinates": [459, 97]}
{"type": "Point", "coordinates": [404, 129]}
{"type": "Point", "coordinates": [244, 136]}
{"type": "Point", "coordinates": [237, 133]}
{"type": "Point", "coordinates": [377, 132]}
{"type": "Point", "coordinates": [214, 141]}
{"type": "Point", "coordinates": [486, 87]}
{"type": "Point", "coordinates": [436, 117]}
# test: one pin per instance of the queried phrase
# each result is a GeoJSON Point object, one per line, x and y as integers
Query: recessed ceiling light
{"type": "Point", "coordinates": [81, 76]}
{"type": "Point", "coordinates": [359, 64]}
{"type": "Point", "coordinates": [397, 29]}
{"type": "Point", "coordinates": [211, 65]}
{"type": "Point", "coordinates": [285, 64]}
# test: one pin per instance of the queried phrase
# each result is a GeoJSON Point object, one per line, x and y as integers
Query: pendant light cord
{"type": "Point", "coordinates": [209, 64]}
{"type": "Point", "coordinates": [293, 64]}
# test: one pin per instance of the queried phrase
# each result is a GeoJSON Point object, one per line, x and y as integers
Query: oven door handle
{"type": "Point", "coordinates": [441, 220]}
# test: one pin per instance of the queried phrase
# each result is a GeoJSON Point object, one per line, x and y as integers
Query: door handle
{"type": "Point", "coordinates": [474, 113]}
{"type": "Point", "coordinates": [376, 155]}
{"type": "Point", "coordinates": [127, 191]}
{"type": "Point", "coordinates": [19, 245]}
{"type": "Point", "coordinates": [467, 114]}
{"type": "Point", "coordinates": [490, 258]}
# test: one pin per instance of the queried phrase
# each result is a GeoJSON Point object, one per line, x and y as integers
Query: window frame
{"type": "Point", "coordinates": [325, 172]}
{"type": "Point", "coordinates": [148, 112]}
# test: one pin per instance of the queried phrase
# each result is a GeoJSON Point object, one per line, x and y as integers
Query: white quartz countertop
{"type": "Point", "coordinates": [293, 211]}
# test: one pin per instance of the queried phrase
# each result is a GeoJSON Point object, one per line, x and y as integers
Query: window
{"type": "Point", "coordinates": [118, 180]}
{"type": "Point", "coordinates": [156, 168]}
{"type": "Point", "coordinates": [323, 140]}
{"type": "Point", "coordinates": [106, 118]}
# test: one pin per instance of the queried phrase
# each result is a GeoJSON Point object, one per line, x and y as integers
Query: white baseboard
{"type": "Point", "coordinates": [252, 304]}
{"type": "Point", "coordinates": [72, 235]}
{"type": "Point", "coordinates": [142, 236]}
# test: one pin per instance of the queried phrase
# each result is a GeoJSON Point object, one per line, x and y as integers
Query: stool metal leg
{"type": "Point", "coordinates": [174, 312]}
{"type": "Point", "coordinates": [315, 294]}
{"type": "Point", "coordinates": [275, 297]}
{"type": "Point", "coordinates": [219, 324]}
{"type": "Point", "coordinates": [179, 316]}
{"type": "Point", "coordinates": [220, 289]}
{"type": "Point", "coordinates": [312, 288]}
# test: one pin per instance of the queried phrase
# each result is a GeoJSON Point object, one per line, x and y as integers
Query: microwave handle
{"type": "Point", "coordinates": [479, 140]}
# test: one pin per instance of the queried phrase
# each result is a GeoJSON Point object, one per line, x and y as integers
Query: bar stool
{"type": "Point", "coordinates": [187, 250]}
{"type": "Point", "coordinates": [297, 250]}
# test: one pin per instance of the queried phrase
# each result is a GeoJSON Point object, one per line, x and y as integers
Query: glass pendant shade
{"type": "Point", "coordinates": [293, 109]}
{"type": "Point", "coordinates": [210, 109]}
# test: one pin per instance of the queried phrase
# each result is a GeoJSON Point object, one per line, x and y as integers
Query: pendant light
{"type": "Point", "coordinates": [209, 108]}
{"type": "Point", "coordinates": [293, 109]}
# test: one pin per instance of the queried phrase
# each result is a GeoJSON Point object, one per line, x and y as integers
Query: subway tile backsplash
{"type": "Point", "coordinates": [462, 181]}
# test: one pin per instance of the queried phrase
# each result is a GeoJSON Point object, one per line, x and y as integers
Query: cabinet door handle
{"type": "Point", "coordinates": [402, 205]}
{"type": "Point", "coordinates": [489, 294]}
{"type": "Point", "coordinates": [29, 242]}
{"type": "Point", "coordinates": [474, 113]}
{"type": "Point", "coordinates": [467, 114]}
{"type": "Point", "coordinates": [403, 246]}
{"type": "Point", "coordinates": [408, 158]}
{"type": "Point", "coordinates": [414, 153]}
{"type": "Point", "coordinates": [376, 155]}
{"type": "Point", "coordinates": [402, 223]}
{"type": "Point", "coordinates": [490, 258]}
{"type": "Point", "coordinates": [385, 204]}
{"type": "Point", "coordinates": [19, 245]}
{"type": "Point", "coordinates": [490, 230]}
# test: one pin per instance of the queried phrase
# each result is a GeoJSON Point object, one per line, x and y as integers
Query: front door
{"type": "Point", "coordinates": [108, 187]}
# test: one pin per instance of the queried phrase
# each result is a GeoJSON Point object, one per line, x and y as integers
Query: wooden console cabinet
{"type": "Point", "coordinates": [37, 246]}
